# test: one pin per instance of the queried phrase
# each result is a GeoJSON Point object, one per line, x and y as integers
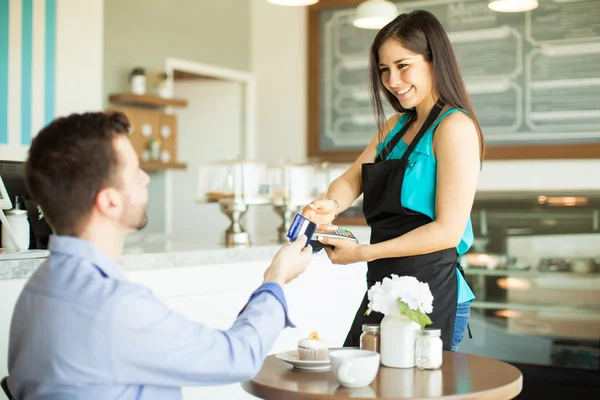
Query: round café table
{"type": "Point", "coordinates": [462, 376]}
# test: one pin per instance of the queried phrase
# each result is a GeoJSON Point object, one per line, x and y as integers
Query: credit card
{"type": "Point", "coordinates": [301, 226]}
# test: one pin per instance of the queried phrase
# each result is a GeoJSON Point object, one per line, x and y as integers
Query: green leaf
{"type": "Point", "coordinates": [414, 315]}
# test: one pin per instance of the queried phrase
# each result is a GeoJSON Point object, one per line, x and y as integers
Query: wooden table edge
{"type": "Point", "coordinates": [509, 391]}
{"type": "Point", "coordinates": [255, 389]}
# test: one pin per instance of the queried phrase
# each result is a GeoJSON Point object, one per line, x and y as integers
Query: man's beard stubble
{"type": "Point", "coordinates": [143, 221]}
{"type": "Point", "coordinates": [136, 217]}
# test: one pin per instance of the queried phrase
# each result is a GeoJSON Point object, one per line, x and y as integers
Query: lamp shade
{"type": "Point", "coordinates": [513, 5]}
{"type": "Point", "coordinates": [374, 14]}
{"type": "Point", "coordinates": [293, 2]}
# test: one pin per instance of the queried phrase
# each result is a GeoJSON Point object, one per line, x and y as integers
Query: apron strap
{"type": "Point", "coordinates": [435, 112]}
{"type": "Point", "coordinates": [462, 272]}
{"type": "Point", "coordinates": [386, 150]}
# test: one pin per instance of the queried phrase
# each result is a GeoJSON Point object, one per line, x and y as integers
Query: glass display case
{"type": "Point", "coordinates": [233, 179]}
{"type": "Point", "coordinates": [325, 174]}
{"type": "Point", "coordinates": [292, 186]}
{"type": "Point", "coordinates": [535, 272]}
{"type": "Point", "coordinates": [235, 184]}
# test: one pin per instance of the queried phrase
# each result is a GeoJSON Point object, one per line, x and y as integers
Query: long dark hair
{"type": "Point", "coordinates": [421, 33]}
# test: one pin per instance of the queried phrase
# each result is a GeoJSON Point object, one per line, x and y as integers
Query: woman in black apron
{"type": "Point", "coordinates": [413, 64]}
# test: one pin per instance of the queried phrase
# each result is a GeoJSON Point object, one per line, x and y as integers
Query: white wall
{"type": "Point", "coordinates": [278, 54]}
{"type": "Point", "coordinates": [79, 59]}
{"type": "Point", "coordinates": [209, 130]}
{"type": "Point", "coordinates": [79, 55]}
{"type": "Point", "coordinates": [527, 175]}
{"type": "Point", "coordinates": [278, 60]}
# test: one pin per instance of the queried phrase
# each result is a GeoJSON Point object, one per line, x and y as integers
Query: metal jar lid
{"type": "Point", "coordinates": [430, 332]}
{"type": "Point", "coordinates": [16, 212]}
{"type": "Point", "coordinates": [370, 328]}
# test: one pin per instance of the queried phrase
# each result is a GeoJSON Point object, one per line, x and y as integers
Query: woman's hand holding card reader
{"type": "Point", "coordinates": [302, 226]}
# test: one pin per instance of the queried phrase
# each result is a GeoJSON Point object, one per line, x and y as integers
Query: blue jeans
{"type": "Point", "coordinates": [463, 311]}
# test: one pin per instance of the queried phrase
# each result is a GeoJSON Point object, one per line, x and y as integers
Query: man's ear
{"type": "Point", "coordinates": [109, 202]}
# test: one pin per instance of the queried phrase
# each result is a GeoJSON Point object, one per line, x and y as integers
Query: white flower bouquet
{"type": "Point", "coordinates": [402, 295]}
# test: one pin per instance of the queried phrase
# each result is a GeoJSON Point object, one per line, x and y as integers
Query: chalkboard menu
{"type": "Point", "coordinates": [533, 77]}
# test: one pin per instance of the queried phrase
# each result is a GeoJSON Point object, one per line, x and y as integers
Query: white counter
{"type": "Point", "coordinates": [152, 254]}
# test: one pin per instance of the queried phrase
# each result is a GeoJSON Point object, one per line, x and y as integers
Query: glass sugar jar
{"type": "Point", "coordinates": [429, 349]}
{"type": "Point", "coordinates": [370, 338]}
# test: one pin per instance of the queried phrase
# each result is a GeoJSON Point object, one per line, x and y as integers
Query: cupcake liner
{"type": "Point", "coordinates": [309, 354]}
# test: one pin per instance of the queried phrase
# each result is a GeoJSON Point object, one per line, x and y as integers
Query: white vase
{"type": "Point", "coordinates": [398, 337]}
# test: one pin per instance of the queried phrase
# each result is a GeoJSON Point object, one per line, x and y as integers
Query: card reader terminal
{"type": "Point", "coordinates": [302, 226]}
{"type": "Point", "coordinates": [339, 233]}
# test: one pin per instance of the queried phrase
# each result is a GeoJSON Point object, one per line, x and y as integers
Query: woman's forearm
{"type": "Point", "coordinates": [344, 191]}
{"type": "Point", "coordinates": [428, 238]}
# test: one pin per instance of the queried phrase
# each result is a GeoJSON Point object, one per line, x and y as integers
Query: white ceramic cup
{"type": "Point", "coordinates": [354, 368]}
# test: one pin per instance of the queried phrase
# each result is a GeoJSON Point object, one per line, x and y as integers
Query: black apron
{"type": "Point", "coordinates": [382, 183]}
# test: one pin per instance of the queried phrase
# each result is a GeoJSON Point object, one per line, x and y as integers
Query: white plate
{"type": "Point", "coordinates": [291, 357]}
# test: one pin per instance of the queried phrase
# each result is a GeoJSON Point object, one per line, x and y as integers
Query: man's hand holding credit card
{"type": "Point", "coordinates": [302, 226]}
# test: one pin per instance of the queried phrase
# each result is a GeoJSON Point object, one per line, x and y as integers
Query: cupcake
{"type": "Point", "coordinates": [313, 348]}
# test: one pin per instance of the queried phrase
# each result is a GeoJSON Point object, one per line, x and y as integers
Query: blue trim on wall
{"type": "Point", "coordinates": [26, 57]}
{"type": "Point", "coordinates": [4, 10]}
{"type": "Point", "coordinates": [50, 61]}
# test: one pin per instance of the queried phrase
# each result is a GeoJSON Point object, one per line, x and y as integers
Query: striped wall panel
{"type": "Point", "coordinates": [27, 68]}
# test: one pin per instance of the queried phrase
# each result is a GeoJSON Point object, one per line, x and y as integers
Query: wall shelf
{"type": "Point", "coordinates": [147, 100]}
{"type": "Point", "coordinates": [151, 124]}
{"type": "Point", "coordinates": [161, 166]}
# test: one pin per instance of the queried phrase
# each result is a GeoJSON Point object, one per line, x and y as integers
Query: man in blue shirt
{"type": "Point", "coordinates": [80, 329]}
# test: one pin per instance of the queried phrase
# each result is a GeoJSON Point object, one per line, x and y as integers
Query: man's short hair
{"type": "Point", "coordinates": [69, 162]}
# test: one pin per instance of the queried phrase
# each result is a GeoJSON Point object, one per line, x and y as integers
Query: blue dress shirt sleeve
{"type": "Point", "coordinates": [277, 291]}
{"type": "Point", "coordinates": [152, 345]}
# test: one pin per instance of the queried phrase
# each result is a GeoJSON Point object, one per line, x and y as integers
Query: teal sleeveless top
{"type": "Point", "coordinates": [419, 190]}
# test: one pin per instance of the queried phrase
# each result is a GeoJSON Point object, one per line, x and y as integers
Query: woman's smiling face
{"type": "Point", "coordinates": [408, 76]}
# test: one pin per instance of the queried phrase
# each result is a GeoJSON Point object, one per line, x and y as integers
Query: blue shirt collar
{"type": "Point", "coordinates": [86, 250]}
